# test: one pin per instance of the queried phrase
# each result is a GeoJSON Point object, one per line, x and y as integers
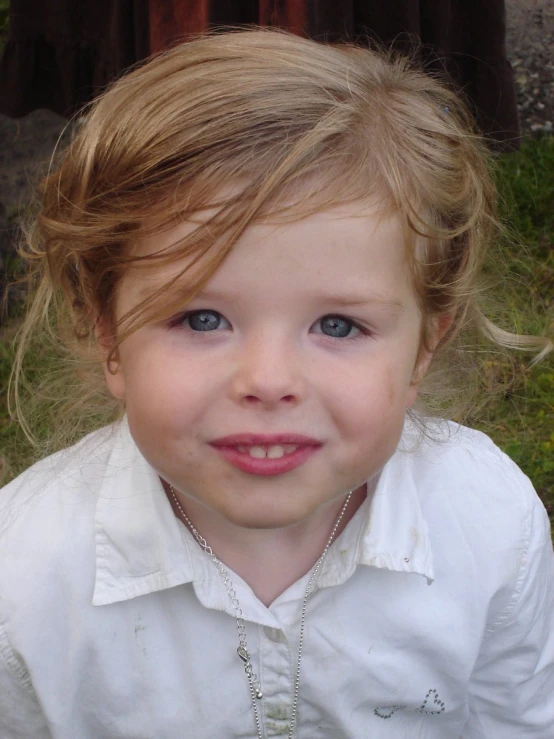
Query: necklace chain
{"type": "Point", "coordinates": [254, 685]}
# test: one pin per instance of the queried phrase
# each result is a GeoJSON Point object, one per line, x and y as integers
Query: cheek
{"type": "Point", "coordinates": [145, 382]}
{"type": "Point", "coordinates": [391, 391]}
{"type": "Point", "coordinates": [374, 405]}
{"type": "Point", "coordinates": [378, 409]}
{"type": "Point", "coordinates": [167, 394]}
{"type": "Point", "coordinates": [411, 395]}
{"type": "Point", "coordinates": [399, 391]}
{"type": "Point", "coordinates": [376, 390]}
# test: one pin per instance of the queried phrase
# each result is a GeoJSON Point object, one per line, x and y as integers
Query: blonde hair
{"type": "Point", "coordinates": [294, 126]}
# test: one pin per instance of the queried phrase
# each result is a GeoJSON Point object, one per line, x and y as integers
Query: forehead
{"type": "Point", "coordinates": [321, 229]}
{"type": "Point", "coordinates": [348, 248]}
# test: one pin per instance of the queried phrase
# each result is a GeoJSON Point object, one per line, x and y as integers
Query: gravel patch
{"type": "Point", "coordinates": [530, 49]}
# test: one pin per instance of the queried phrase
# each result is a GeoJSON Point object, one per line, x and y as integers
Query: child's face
{"type": "Point", "coordinates": [310, 328]}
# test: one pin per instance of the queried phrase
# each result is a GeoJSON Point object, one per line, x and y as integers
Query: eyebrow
{"type": "Point", "coordinates": [340, 299]}
{"type": "Point", "coordinates": [355, 300]}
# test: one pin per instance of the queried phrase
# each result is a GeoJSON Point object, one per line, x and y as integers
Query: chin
{"type": "Point", "coordinates": [263, 517]}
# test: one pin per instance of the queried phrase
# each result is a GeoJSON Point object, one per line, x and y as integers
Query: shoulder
{"type": "Point", "coordinates": [466, 467]}
{"type": "Point", "coordinates": [75, 471]}
{"type": "Point", "coordinates": [479, 506]}
{"type": "Point", "coordinates": [47, 522]}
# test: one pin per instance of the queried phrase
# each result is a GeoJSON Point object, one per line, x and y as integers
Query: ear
{"type": "Point", "coordinates": [105, 341]}
{"type": "Point", "coordinates": [437, 331]}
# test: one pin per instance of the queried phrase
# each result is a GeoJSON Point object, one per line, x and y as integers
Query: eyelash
{"type": "Point", "coordinates": [178, 322]}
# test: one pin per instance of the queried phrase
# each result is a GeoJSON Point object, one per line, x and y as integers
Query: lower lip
{"type": "Point", "coordinates": [243, 461]}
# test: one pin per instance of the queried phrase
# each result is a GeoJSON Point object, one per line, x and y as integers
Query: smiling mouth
{"type": "Point", "coordinates": [273, 451]}
{"type": "Point", "coordinates": [265, 459]}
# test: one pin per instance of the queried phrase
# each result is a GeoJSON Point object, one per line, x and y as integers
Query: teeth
{"type": "Point", "coordinates": [275, 451]}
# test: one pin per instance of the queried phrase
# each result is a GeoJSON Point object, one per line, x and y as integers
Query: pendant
{"type": "Point", "coordinates": [245, 657]}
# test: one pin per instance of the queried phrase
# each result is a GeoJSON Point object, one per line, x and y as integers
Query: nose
{"type": "Point", "coordinates": [268, 372]}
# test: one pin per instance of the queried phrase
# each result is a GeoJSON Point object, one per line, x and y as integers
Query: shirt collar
{"type": "Point", "coordinates": [139, 543]}
{"type": "Point", "coordinates": [142, 548]}
{"type": "Point", "coordinates": [392, 533]}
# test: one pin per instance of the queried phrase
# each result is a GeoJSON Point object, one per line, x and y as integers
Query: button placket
{"type": "Point", "coordinates": [275, 635]}
{"type": "Point", "coordinates": [276, 678]}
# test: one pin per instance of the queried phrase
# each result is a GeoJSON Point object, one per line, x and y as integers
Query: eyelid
{"type": "Point", "coordinates": [180, 317]}
{"type": "Point", "coordinates": [361, 329]}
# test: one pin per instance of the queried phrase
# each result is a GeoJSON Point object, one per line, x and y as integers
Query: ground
{"type": "Point", "coordinates": [530, 40]}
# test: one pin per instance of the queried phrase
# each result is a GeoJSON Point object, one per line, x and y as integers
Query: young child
{"type": "Point", "coordinates": [261, 245]}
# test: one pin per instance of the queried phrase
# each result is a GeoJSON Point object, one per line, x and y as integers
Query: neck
{"type": "Point", "coordinates": [270, 561]}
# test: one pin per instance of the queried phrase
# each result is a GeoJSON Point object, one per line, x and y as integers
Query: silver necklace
{"type": "Point", "coordinates": [256, 693]}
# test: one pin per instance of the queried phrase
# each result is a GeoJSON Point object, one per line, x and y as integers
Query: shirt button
{"type": "Point", "coordinates": [274, 634]}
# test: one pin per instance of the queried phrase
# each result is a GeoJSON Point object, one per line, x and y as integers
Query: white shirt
{"type": "Point", "coordinates": [433, 617]}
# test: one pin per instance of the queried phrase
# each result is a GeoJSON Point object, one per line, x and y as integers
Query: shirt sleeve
{"type": "Point", "coordinates": [512, 686]}
{"type": "Point", "coordinates": [20, 713]}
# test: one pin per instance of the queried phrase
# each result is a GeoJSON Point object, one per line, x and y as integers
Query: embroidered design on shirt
{"type": "Point", "coordinates": [432, 706]}
{"type": "Point", "coordinates": [387, 711]}
{"type": "Point", "coordinates": [437, 703]}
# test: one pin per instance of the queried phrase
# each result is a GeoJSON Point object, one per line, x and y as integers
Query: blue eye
{"type": "Point", "coordinates": [202, 320]}
{"type": "Point", "coordinates": [337, 327]}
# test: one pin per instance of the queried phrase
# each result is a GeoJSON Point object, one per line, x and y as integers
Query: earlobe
{"type": "Point", "coordinates": [442, 325]}
{"type": "Point", "coordinates": [438, 330]}
{"type": "Point", "coordinates": [114, 377]}
{"type": "Point", "coordinates": [420, 370]}
{"type": "Point", "coordinates": [105, 341]}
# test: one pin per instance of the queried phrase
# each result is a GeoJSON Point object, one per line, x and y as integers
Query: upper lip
{"type": "Point", "coordinates": [265, 440]}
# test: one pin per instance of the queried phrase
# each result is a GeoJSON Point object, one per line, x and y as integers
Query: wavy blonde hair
{"type": "Point", "coordinates": [294, 126]}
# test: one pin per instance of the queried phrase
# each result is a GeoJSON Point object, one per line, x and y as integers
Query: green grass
{"type": "Point", "coordinates": [519, 418]}
{"type": "Point", "coordinates": [12, 455]}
